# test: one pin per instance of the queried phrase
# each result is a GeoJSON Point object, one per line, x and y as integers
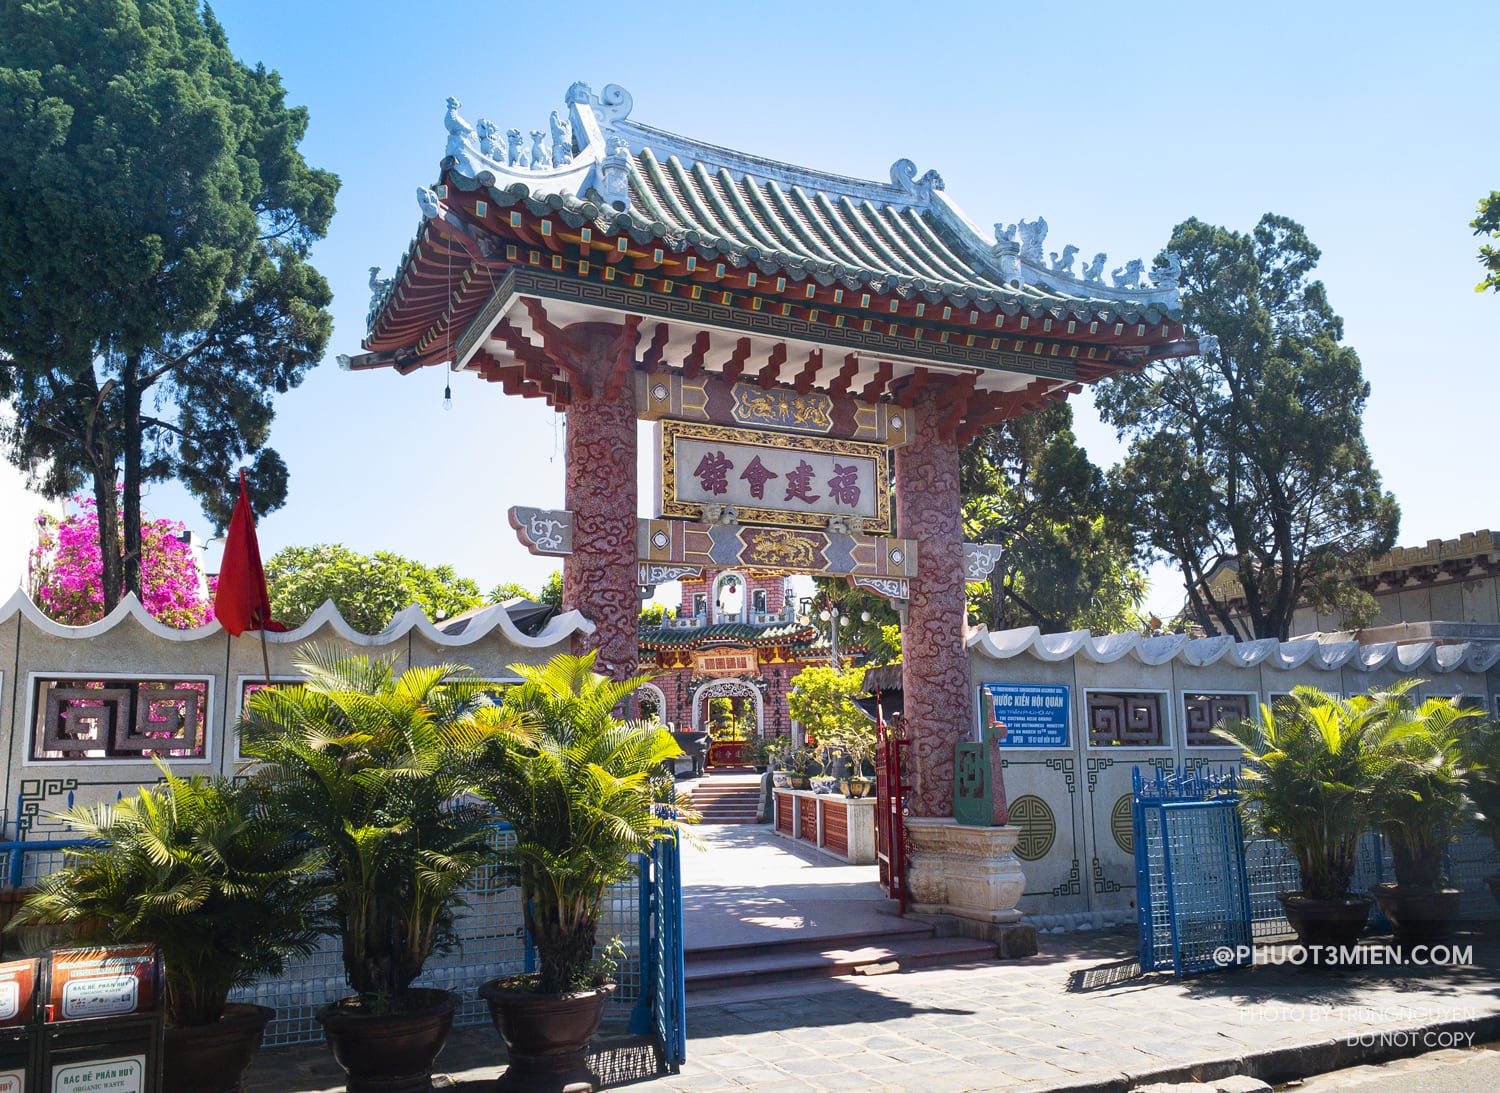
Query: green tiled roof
{"type": "Point", "coordinates": [798, 638]}
{"type": "Point", "coordinates": [904, 236]}
{"type": "Point", "coordinates": [720, 633]}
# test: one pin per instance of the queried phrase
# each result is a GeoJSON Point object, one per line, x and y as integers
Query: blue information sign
{"type": "Point", "coordinates": [1035, 714]}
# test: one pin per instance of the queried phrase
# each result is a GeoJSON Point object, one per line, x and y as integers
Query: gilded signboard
{"type": "Point", "coordinates": [726, 662]}
{"type": "Point", "coordinates": [745, 476]}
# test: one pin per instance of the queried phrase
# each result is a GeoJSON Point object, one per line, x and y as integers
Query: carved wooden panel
{"type": "Point", "coordinates": [83, 719]}
{"type": "Point", "coordinates": [836, 827]}
{"type": "Point", "coordinates": [807, 820]}
{"type": "Point", "coordinates": [1127, 718]}
{"type": "Point", "coordinates": [784, 813]}
{"type": "Point", "coordinates": [1202, 713]}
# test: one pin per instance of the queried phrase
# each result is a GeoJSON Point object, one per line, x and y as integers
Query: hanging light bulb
{"type": "Point", "coordinates": [447, 396]}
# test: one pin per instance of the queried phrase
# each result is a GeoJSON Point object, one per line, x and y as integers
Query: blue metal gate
{"type": "Point", "coordinates": [1192, 889]}
{"type": "Point", "coordinates": [662, 1009]}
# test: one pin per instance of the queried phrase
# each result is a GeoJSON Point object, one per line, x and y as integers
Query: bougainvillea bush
{"type": "Point", "coordinates": [65, 570]}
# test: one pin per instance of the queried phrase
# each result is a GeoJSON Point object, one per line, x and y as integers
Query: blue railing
{"type": "Point", "coordinates": [1193, 896]}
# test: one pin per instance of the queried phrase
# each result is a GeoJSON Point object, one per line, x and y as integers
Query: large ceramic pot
{"type": "Point", "coordinates": [1418, 914]}
{"type": "Point", "coordinates": [546, 1035]}
{"type": "Point", "coordinates": [858, 787]}
{"type": "Point", "coordinates": [390, 1053]}
{"type": "Point", "coordinates": [212, 1058]}
{"type": "Point", "coordinates": [1336, 922]}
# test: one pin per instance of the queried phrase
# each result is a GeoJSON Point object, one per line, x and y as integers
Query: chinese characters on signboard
{"type": "Point", "coordinates": [1035, 714]}
{"type": "Point", "coordinates": [726, 662]}
{"type": "Point", "coordinates": [773, 479]}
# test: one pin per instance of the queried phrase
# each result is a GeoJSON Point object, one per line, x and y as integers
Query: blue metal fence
{"type": "Point", "coordinates": [663, 1009]}
{"type": "Point", "coordinates": [1193, 896]}
{"type": "Point", "coordinates": [645, 915]}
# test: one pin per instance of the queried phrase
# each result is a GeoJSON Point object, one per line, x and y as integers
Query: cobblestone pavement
{"type": "Point", "coordinates": [1076, 1017]}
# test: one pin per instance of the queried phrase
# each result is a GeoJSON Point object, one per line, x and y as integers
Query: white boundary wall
{"type": "Point", "coordinates": [1074, 801]}
{"type": "Point", "coordinates": [129, 644]}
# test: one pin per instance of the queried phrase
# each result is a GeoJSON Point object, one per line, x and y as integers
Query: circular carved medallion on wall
{"type": "Point", "coordinates": [1122, 824]}
{"type": "Point", "coordinates": [1038, 827]}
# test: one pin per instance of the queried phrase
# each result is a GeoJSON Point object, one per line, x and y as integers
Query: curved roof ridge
{"type": "Point", "coordinates": [716, 157]}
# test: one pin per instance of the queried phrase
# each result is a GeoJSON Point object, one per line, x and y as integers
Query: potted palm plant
{"type": "Point", "coordinates": [1419, 802]}
{"type": "Point", "coordinates": [375, 768]}
{"type": "Point", "coordinates": [1308, 774]}
{"type": "Point", "coordinates": [577, 795]}
{"type": "Point", "coordinates": [194, 867]}
{"type": "Point", "coordinates": [1481, 755]}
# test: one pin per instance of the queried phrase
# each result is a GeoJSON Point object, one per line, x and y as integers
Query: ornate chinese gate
{"type": "Point", "coordinates": [794, 334]}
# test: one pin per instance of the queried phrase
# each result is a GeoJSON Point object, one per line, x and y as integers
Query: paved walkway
{"type": "Point", "coordinates": [1078, 1016]}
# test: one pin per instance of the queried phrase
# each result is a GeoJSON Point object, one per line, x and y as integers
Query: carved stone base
{"type": "Point", "coordinates": [971, 874]}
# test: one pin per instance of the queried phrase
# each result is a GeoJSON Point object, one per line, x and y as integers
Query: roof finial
{"type": "Point", "coordinates": [904, 175]}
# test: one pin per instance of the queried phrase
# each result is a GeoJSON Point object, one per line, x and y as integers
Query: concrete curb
{"type": "Point", "coordinates": [1276, 1065]}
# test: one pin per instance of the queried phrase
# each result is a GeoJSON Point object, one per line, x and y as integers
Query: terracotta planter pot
{"type": "Point", "coordinates": [392, 1053]}
{"type": "Point", "coordinates": [212, 1058]}
{"type": "Point", "coordinates": [1336, 922]}
{"type": "Point", "coordinates": [1418, 914]}
{"type": "Point", "coordinates": [546, 1036]}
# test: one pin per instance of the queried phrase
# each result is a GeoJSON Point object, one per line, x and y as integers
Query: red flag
{"type": "Point", "coordinates": [241, 601]}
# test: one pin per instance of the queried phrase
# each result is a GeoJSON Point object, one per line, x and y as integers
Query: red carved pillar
{"type": "Point", "coordinates": [599, 577]}
{"type": "Point", "coordinates": [935, 664]}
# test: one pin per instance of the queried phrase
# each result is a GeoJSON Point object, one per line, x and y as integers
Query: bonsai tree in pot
{"type": "Point", "coordinates": [1419, 802]}
{"type": "Point", "coordinates": [375, 768]}
{"type": "Point", "coordinates": [1309, 767]}
{"type": "Point", "coordinates": [577, 794]}
{"type": "Point", "coordinates": [822, 700]}
{"type": "Point", "coordinates": [194, 867]}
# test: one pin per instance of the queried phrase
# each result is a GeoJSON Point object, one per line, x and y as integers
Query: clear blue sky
{"type": "Point", "coordinates": [1371, 123]}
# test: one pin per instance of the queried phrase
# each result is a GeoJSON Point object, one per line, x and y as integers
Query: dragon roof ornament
{"type": "Point", "coordinates": [589, 159]}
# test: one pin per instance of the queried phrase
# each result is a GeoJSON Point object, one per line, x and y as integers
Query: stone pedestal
{"type": "Point", "coordinates": [971, 876]}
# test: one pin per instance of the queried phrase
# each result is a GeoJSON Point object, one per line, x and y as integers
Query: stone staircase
{"type": "Point", "coordinates": [904, 944]}
{"type": "Point", "coordinates": [725, 799]}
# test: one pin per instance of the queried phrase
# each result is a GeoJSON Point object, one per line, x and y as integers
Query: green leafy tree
{"type": "Point", "coordinates": [368, 590]}
{"type": "Point", "coordinates": [155, 224]}
{"type": "Point", "coordinates": [653, 614]}
{"type": "Point", "coordinates": [508, 590]}
{"type": "Point", "coordinates": [1028, 486]}
{"type": "Point", "coordinates": [551, 592]}
{"type": "Point", "coordinates": [869, 639]}
{"type": "Point", "coordinates": [1251, 453]}
{"type": "Point", "coordinates": [822, 702]}
{"type": "Point", "coordinates": [1487, 224]}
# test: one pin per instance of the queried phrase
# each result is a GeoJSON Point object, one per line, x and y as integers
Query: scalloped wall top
{"type": "Point", "coordinates": [557, 631]}
{"type": "Point", "coordinates": [1202, 652]}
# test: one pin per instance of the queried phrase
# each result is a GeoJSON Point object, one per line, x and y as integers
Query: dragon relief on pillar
{"type": "Point", "coordinates": [936, 662]}
{"type": "Point", "coordinates": [599, 577]}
